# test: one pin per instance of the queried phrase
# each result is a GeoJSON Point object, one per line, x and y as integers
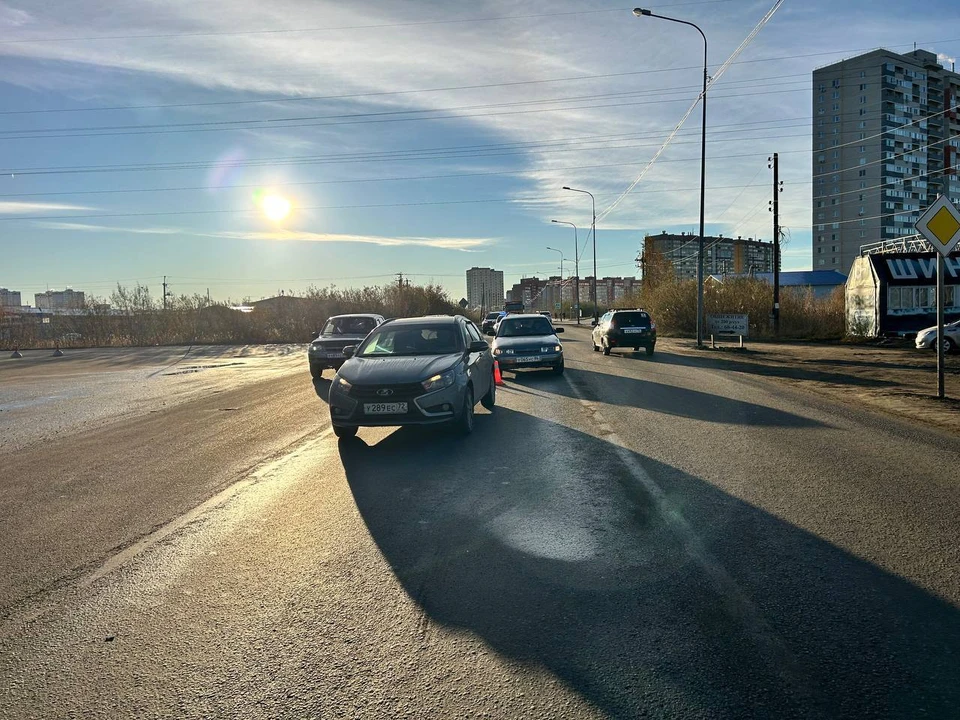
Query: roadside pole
{"type": "Point", "coordinates": [940, 264]}
{"type": "Point", "coordinates": [776, 244]}
{"type": "Point", "coordinates": [940, 225]}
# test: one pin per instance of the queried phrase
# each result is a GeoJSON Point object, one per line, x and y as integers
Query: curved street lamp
{"type": "Point", "coordinates": [593, 231]}
{"type": "Point", "coordinates": [576, 267]}
{"type": "Point", "coordinates": [641, 12]}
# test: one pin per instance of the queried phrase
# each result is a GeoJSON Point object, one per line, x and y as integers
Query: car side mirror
{"type": "Point", "coordinates": [490, 331]}
{"type": "Point", "coordinates": [477, 346]}
{"type": "Point", "coordinates": [558, 330]}
{"type": "Point", "coordinates": [349, 351]}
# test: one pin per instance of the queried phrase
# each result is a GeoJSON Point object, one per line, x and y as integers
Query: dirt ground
{"type": "Point", "coordinates": [899, 380]}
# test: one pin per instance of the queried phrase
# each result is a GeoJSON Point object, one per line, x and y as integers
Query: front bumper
{"type": "Point", "coordinates": [518, 362]}
{"type": "Point", "coordinates": [926, 342]}
{"type": "Point", "coordinates": [439, 406]}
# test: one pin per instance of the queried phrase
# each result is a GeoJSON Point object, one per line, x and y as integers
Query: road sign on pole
{"type": "Point", "coordinates": [940, 225]}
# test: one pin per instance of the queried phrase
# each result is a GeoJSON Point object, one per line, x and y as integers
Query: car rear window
{"type": "Point", "coordinates": [631, 319]}
{"type": "Point", "coordinates": [349, 326]}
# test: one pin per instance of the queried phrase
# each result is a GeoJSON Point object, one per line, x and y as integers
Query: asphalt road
{"type": "Point", "coordinates": [642, 537]}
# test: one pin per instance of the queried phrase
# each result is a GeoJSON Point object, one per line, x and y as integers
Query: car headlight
{"type": "Point", "coordinates": [502, 351]}
{"type": "Point", "coordinates": [439, 381]}
{"type": "Point", "coordinates": [342, 385]}
{"type": "Point", "coordinates": [653, 325]}
{"type": "Point", "coordinates": [551, 349]}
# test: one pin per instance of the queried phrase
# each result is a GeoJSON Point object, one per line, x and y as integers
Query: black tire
{"type": "Point", "coordinates": [489, 400]}
{"type": "Point", "coordinates": [636, 348]}
{"type": "Point", "coordinates": [558, 369]}
{"type": "Point", "coordinates": [948, 346]}
{"type": "Point", "coordinates": [316, 371]}
{"type": "Point", "coordinates": [606, 348]}
{"type": "Point", "coordinates": [464, 424]}
{"type": "Point", "coordinates": [344, 432]}
{"type": "Point", "coordinates": [649, 349]}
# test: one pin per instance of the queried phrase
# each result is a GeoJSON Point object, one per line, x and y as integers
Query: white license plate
{"type": "Point", "coordinates": [395, 408]}
{"type": "Point", "coordinates": [634, 330]}
{"type": "Point", "coordinates": [535, 358]}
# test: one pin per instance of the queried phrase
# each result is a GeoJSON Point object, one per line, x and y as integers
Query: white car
{"type": "Point", "coordinates": [927, 338]}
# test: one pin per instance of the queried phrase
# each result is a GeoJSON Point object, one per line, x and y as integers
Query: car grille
{"type": "Point", "coordinates": [405, 391]}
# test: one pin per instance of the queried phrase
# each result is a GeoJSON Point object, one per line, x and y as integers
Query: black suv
{"type": "Point", "coordinates": [625, 329]}
{"type": "Point", "coordinates": [340, 331]}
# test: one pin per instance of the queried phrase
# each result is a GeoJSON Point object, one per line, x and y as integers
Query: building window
{"type": "Point", "coordinates": [836, 106]}
{"type": "Point", "coordinates": [836, 262]}
{"type": "Point", "coordinates": [836, 118]}
{"type": "Point", "coordinates": [862, 125]}
{"type": "Point", "coordinates": [863, 100]}
{"type": "Point", "coordinates": [863, 86]}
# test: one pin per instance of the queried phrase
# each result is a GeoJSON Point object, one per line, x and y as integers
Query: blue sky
{"type": "Point", "coordinates": [416, 137]}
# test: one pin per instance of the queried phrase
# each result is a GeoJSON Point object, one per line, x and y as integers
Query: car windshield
{"type": "Point", "coordinates": [412, 340]}
{"type": "Point", "coordinates": [631, 319]}
{"type": "Point", "coordinates": [492, 316]}
{"type": "Point", "coordinates": [521, 327]}
{"type": "Point", "coordinates": [348, 326]}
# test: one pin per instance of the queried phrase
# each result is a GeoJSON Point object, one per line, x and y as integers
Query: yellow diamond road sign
{"type": "Point", "coordinates": [940, 225]}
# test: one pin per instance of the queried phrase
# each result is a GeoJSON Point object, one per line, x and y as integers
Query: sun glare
{"type": "Point", "coordinates": [275, 207]}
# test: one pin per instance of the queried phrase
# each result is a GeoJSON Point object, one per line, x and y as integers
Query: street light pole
{"type": "Point", "coordinates": [593, 232]}
{"type": "Point", "coordinates": [561, 274]}
{"type": "Point", "coordinates": [576, 267]}
{"type": "Point", "coordinates": [640, 12]}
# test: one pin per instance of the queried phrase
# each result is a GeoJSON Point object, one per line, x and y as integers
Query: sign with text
{"type": "Point", "coordinates": [728, 324]}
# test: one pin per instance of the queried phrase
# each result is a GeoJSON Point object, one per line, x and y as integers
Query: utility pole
{"type": "Point", "coordinates": [166, 292]}
{"type": "Point", "coordinates": [775, 208]}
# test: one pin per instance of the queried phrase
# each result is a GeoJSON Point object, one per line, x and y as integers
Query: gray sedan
{"type": "Point", "coordinates": [413, 371]}
{"type": "Point", "coordinates": [528, 341]}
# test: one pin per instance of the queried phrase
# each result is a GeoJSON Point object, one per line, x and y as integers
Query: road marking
{"type": "Point", "coordinates": [738, 605]}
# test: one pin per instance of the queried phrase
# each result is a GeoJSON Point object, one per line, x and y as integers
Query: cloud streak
{"type": "Point", "coordinates": [443, 243]}
{"type": "Point", "coordinates": [14, 208]}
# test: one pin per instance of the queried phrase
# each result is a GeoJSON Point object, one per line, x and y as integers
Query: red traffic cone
{"type": "Point", "coordinates": [497, 377]}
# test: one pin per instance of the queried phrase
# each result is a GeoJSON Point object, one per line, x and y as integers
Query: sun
{"type": "Point", "coordinates": [275, 207]}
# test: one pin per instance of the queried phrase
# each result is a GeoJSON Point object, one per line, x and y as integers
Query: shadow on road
{"type": "Point", "coordinates": [561, 560]}
{"type": "Point", "coordinates": [790, 372]}
{"type": "Point", "coordinates": [667, 399]}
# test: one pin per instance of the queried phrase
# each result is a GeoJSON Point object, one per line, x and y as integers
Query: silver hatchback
{"type": "Point", "coordinates": [414, 371]}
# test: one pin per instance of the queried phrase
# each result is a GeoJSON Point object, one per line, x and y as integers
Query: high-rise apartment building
{"type": "Point", "coordinates": [485, 288]}
{"type": "Point", "coordinates": [56, 300]}
{"type": "Point", "coordinates": [720, 255]}
{"type": "Point", "coordinates": [9, 299]}
{"type": "Point", "coordinates": [885, 144]}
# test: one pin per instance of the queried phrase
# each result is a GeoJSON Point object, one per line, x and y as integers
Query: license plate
{"type": "Point", "coordinates": [634, 330]}
{"type": "Point", "coordinates": [535, 358]}
{"type": "Point", "coordinates": [394, 408]}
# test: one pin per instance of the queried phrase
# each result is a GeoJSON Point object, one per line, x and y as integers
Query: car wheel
{"type": "Point", "coordinates": [948, 346]}
{"type": "Point", "coordinates": [558, 369]}
{"type": "Point", "coordinates": [316, 372]}
{"type": "Point", "coordinates": [595, 348]}
{"type": "Point", "coordinates": [606, 348]}
{"type": "Point", "coordinates": [490, 399]}
{"type": "Point", "coordinates": [464, 423]}
{"type": "Point", "coordinates": [650, 349]}
{"type": "Point", "coordinates": [344, 432]}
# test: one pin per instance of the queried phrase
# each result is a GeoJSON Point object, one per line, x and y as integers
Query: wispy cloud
{"type": "Point", "coordinates": [83, 227]}
{"type": "Point", "coordinates": [445, 243]}
{"type": "Point", "coordinates": [14, 208]}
